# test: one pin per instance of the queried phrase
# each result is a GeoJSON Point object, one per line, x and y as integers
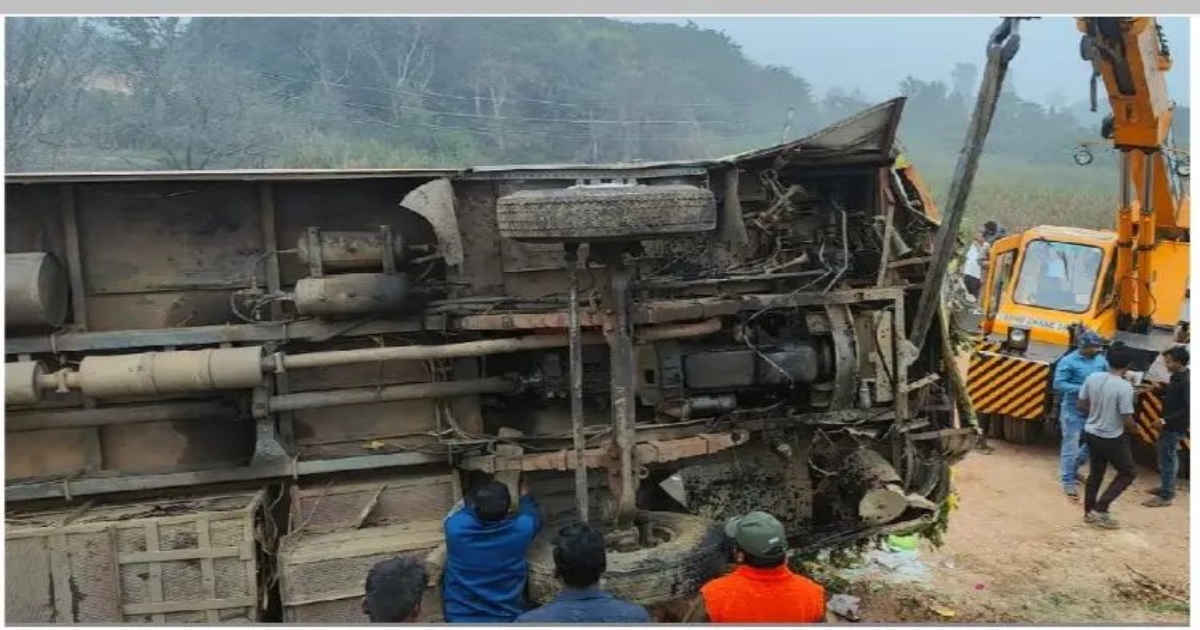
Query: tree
{"type": "Point", "coordinates": [963, 79]}
{"type": "Point", "coordinates": [401, 60]}
{"type": "Point", "coordinates": [839, 103]}
{"type": "Point", "coordinates": [186, 106]}
{"type": "Point", "coordinates": [221, 92]}
{"type": "Point", "coordinates": [49, 63]}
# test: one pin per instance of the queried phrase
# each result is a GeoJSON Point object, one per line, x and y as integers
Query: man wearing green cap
{"type": "Point", "coordinates": [761, 589]}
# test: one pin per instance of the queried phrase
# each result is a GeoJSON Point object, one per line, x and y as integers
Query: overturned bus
{"type": "Point", "coordinates": [228, 394]}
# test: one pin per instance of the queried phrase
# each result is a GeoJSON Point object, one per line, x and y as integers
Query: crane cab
{"type": "Point", "coordinates": [1041, 286]}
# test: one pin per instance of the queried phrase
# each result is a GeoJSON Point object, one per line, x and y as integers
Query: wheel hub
{"type": "Point", "coordinates": [643, 535]}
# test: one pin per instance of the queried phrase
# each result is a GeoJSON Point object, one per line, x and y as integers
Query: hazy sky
{"type": "Point", "coordinates": [874, 54]}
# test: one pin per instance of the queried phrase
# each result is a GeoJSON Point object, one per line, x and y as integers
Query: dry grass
{"type": "Point", "coordinates": [1021, 195]}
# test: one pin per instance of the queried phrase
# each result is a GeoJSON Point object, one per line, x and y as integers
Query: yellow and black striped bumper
{"type": "Point", "coordinates": [1007, 385]}
{"type": "Point", "coordinates": [1149, 411]}
{"type": "Point", "coordinates": [986, 345]}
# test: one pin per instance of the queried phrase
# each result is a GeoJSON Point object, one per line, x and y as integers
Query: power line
{"type": "Point", "coordinates": [433, 112]}
{"type": "Point", "coordinates": [625, 123]}
{"type": "Point", "coordinates": [397, 91]}
{"type": "Point", "coordinates": [407, 126]}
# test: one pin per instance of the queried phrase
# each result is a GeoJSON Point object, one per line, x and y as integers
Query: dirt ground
{"type": "Point", "coordinates": [1017, 551]}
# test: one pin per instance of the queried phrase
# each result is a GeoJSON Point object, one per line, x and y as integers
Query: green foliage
{"type": "Point", "coordinates": [824, 566]}
{"type": "Point", "coordinates": [936, 532]}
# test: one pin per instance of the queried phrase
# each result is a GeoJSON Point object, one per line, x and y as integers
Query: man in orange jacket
{"type": "Point", "coordinates": [762, 589]}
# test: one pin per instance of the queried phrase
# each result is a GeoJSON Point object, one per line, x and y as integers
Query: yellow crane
{"type": "Point", "coordinates": [1048, 283]}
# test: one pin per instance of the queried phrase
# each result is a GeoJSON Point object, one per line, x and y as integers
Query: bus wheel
{"type": "Point", "coordinates": [1019, 431]}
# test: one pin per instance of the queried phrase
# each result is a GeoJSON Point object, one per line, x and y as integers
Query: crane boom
{"type": "Point", "coordinates": [1131, 57]}
{"type": "Point", "coordinates": [1002, 46]}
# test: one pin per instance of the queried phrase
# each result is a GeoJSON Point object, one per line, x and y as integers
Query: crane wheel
{"type": "Point", "coordinates": [994, 426]}
{"type": "Point", "coordinates": [1019, 431]}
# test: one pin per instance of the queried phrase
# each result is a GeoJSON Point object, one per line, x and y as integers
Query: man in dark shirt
{"type": "Point", "coordinates": [393, 591]}
{"type": "Point", "coordinates": [1174, 424]}
{"type": "Point", "coordinates": [579, 561]}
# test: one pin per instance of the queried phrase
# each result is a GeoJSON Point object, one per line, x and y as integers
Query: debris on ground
{"type": "Point", "coordinates": [994, 568]}
{"type": "Point", "coordinates": [1141, 587]}
{"type": "Point", "coordinates": [847, 607]}
{"type": "Point", "coordinates": [891, 564]}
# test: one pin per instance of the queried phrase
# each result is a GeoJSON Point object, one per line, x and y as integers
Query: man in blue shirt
{"type": "Point", "coordinates": [580, 559]}
{"type": "Point", "coordinates": [1069, 375]}
{"type": "Point", "coordinates": [484, 580]}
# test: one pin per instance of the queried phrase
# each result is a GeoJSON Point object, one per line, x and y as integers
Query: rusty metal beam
{"type": "Point", "coordinates": [910, 262]}
{"type": "Point", "coordinates": [94, 485]}
{"type": "Point", "coordinates": [70, 222]}
{"type": "Point", "coordinates": [662, 311]}
{"type": "Point", "coordinates": [475, 348]}
{"type": "Point", "coordinates": [904, 356]}
{"type": "Point", "coordinates": [889, 210]}
{"type": "Point", "coordinates": [623, 388]}
{"type": "Point", "coordinates": [214, 335]}
{"type": "Point", "coordinates": [714, 282]}
{"type": "Point", "coordinates": [266, 200]}
{"type": "Point", "coordinates": [656, 312]}
{"type": "Point", "coordinates": [39, 420]}
{"type": "Point", "coordinates": [668, 311]}
{"type": "Point", "coordinates": [653, 452]}
{"type": "Point", "coordinates": [282, 431]}
{"type": "Point", "coordinates": [529, 321]}
{"type": "Point", "coordinates": [390, 393]}
{"type": "Point", "coordinates": [576, 376]}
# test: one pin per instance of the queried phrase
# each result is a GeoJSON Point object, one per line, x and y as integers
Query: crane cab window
{"type": "Point", "coordinates": [1108, 290]}
{"type": "Point", "coordinates": [1001, 278]}
{"type": "Point", "coordinates": [1058, 276]}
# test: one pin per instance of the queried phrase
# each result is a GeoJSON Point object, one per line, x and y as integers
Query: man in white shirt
{"type": "Point", "coordinates": [973, 264]}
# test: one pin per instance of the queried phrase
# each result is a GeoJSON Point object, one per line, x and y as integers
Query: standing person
{"type": "Point", "coordinates": [762, 589]}
{"type": "Point", "coordinates": [973, 264]}
{"type": "Point", "coordinates": [1175, 424]}
{"type": "Point", "coordinates": [580, 558]}
{"type": "Point", "coordinates": [1108, 400]}
{"type": "Point", "coordinates": [1070, 373]}
{"type": "Point", "coordinates": [485, 573]}
{"type": "Point", "coordinates": [393, 591]}
{"type": "Point", "coordinates": [991, 231]}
